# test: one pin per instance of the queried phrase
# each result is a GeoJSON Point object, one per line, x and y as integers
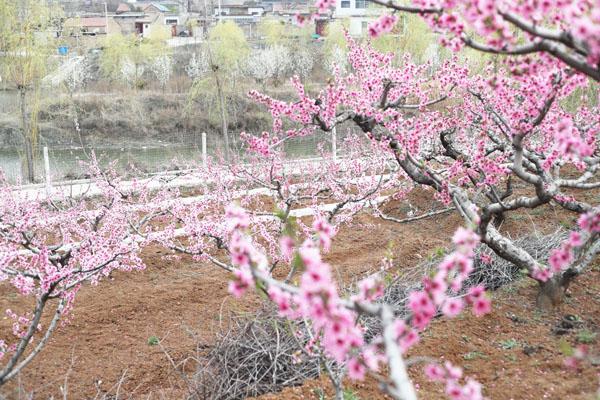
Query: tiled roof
{"type": "Point", "coordinates": [92, 21]}
{"type": "Point", "coordinates": [159, 7]}
{"type": "Point", "coordinates": [123, 8]}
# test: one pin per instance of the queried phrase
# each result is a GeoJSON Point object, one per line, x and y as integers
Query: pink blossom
{"type": "Point", "coordinates": [287, 247]}
{"type": "Point", "coordinates": [485, 258]}
{"type": "Point", "coordinates": [243, 280]}
{"type": "Point", "coordinates": [474, 293]}
{"type": "Point", "coordinates": [356, 370]}
{"type": "Point", "coordinates": [237, 217]}
{"type": "Point", "coordinates": [384, 24]}
{"type": "Point", "coordinates": [452, 307]}
{"type": "Point", "coordinates": [560, 259]}
{"type": "Point", "coordinates": [370, 289]}
{"type": "Point", "coordinates": [575, 239]}
{"type": "Point", "coordinates": [541, 274]}
{"type": "Point", "coordinates": [435, 372]}
{"type": "Point", "coordinates": [482, 306]}
{"type": "Point", "coordinates": [453, 371]}
{"type": "Point", "coordinates": [407, 341]}
{"type": "Point", "coordinates": [590, 221]}
{"type": "Point", "coordinates": [325, 232]}
{"type": "Point", "coordinates": [465, 240]}
{"type": "Point", "coordinates": [372, 358]}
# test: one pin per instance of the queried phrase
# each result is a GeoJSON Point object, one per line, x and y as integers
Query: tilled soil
{"type": "Point", "coordinates": [111, 340]}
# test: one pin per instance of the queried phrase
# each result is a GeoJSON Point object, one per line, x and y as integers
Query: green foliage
{"type": "Point", "coordinates": [116, 49]}
{"type": "Point", "coordinates": [411, 35]}
{"type": "Point", "coordinates": [228, 45]}
{"type": "Point", "coordinates": [587, 96]}
{"type": "Point", "coordinates": [153, 341]}
{"type": "Point", "coordinates": [586, 336]}
{"type": "Point", "coordinates": [334, 37]}
{"type": "Point", "coordinates": [508, 344]}
{"type": "Point", "coordinates": [27, 41]}
{"type": "Point", "coordinates": [437, 253]}
{"type": "Point", "coordinates": [119, 49]}
{"type": "Point", "coordinates": [319, 393]}
{"type": "Point", "coordinates": [565, 348]}
{"type": "Point", "coordinates": [278, 32]}
{"type": "Point", "coordinates": [349, 394]}
{"type": "Point", "coordinates": [472, 355]}
{"type": "Point", "coordinates": [273, 30]}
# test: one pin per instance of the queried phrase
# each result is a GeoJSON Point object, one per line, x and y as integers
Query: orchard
{"type": "Point", "coordinates": [520, 134]}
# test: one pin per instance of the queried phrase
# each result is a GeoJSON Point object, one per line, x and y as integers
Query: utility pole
{"type": "Point", "coordinates": [106, 17]}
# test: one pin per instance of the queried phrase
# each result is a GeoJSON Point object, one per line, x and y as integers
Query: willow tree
{"type": "Point", "coordinates": [227, 47]}
{"type": "Point", "coordinates": [273, 31]}
{"type": "Point", "coordinates": [26, 46]}
{"type": "Point", "coordinates": [126, 57]}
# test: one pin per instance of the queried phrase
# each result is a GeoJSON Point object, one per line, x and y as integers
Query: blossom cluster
{"type": "Point", "coordinates": [562, 258]}
{"type": "Point", "coordinates": [570, 143]}
{"type": "Point", "coordinates": [473, 150]}
{"type": "Point", "coordinates": [383, 24]}
{"type": "Point", "coordinates": [50, 252]}
{"type": "Point", "coordinates": [450, 375]}
{"type": "Point", "coordinates": [451, 274]}
{"type": "Point", "coordinates": [334, 320]}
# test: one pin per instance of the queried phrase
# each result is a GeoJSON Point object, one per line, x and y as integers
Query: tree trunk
{"type": "Point", "coordinates": [223, 114]}
{"type": "Point", "coordinates": [552, 292]}
{"type": "Point", "coordinates": [29, 158]}
{"type": "Point", "coordinates": [29, 174]}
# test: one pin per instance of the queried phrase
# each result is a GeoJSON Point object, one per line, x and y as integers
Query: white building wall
{"type": "Point", "coordinates": [358, 18]}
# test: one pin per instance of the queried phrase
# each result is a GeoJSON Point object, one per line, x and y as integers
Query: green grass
{"type": "Point", "coordinates": [586, 336]}
{"type": "Point", "coordinates": [508, 344]}
{"type": "Point", "coordinates": [153, 341]}
{"type": "Point", "coordinates": [350, 395]}
{"type": "Point", "coordinates": [319, 393]}
{"type": "Point", "coordinates": [472, 355]}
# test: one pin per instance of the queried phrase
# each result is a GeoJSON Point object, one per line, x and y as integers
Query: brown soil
{"type": "Point", "coordinates": [181, 301]}
{"type": "Point", "coordinates": [512, 351]}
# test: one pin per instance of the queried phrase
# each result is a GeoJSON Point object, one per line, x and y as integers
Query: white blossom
{"type": "Point", "coordinates": [339, 59]}
{"type": "Point", "coordinates": [131, 72]}
{"type": "Point", "coordinates": [303, 62]}
{"type": "Point", "coordinates": [274, 62]}
{"type": "Point", "coordinates": [162, 68]}
{"type": "Point", "coordinates": [73, 72]}
{"type": "Point", "coordinates": [198, 66]}
{"type": "Point", "coordinates": [78, 74]}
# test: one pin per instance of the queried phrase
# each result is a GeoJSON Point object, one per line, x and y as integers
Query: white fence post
{"type": "Point", "coordinates": [47, 167]}
{"type": "Point", "coordinates": [204, 159]}
{"type": "Point", "coordinates": [334, 144]}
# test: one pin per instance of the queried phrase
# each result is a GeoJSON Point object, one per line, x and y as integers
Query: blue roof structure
{"type": "Point", "coordinates": [161, 7]}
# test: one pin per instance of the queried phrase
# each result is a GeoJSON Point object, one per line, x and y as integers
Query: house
{"type": "Point", "coordinates": [123, 8]}
{"type": "Point", "coordinates": [240, 9]}
{"type": "Point", "coordinates": [127, 21]}
{"type": "Point", "coordinates": [358, 13]}
{"type": "Point", "coordinates": [90, 26]}
{"type": "Point", "coordinates": [160, 14]}
{"type": "Point", "coordinates": [246, 15]}
{"type": "Point", "coordinates": [288, 12]}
